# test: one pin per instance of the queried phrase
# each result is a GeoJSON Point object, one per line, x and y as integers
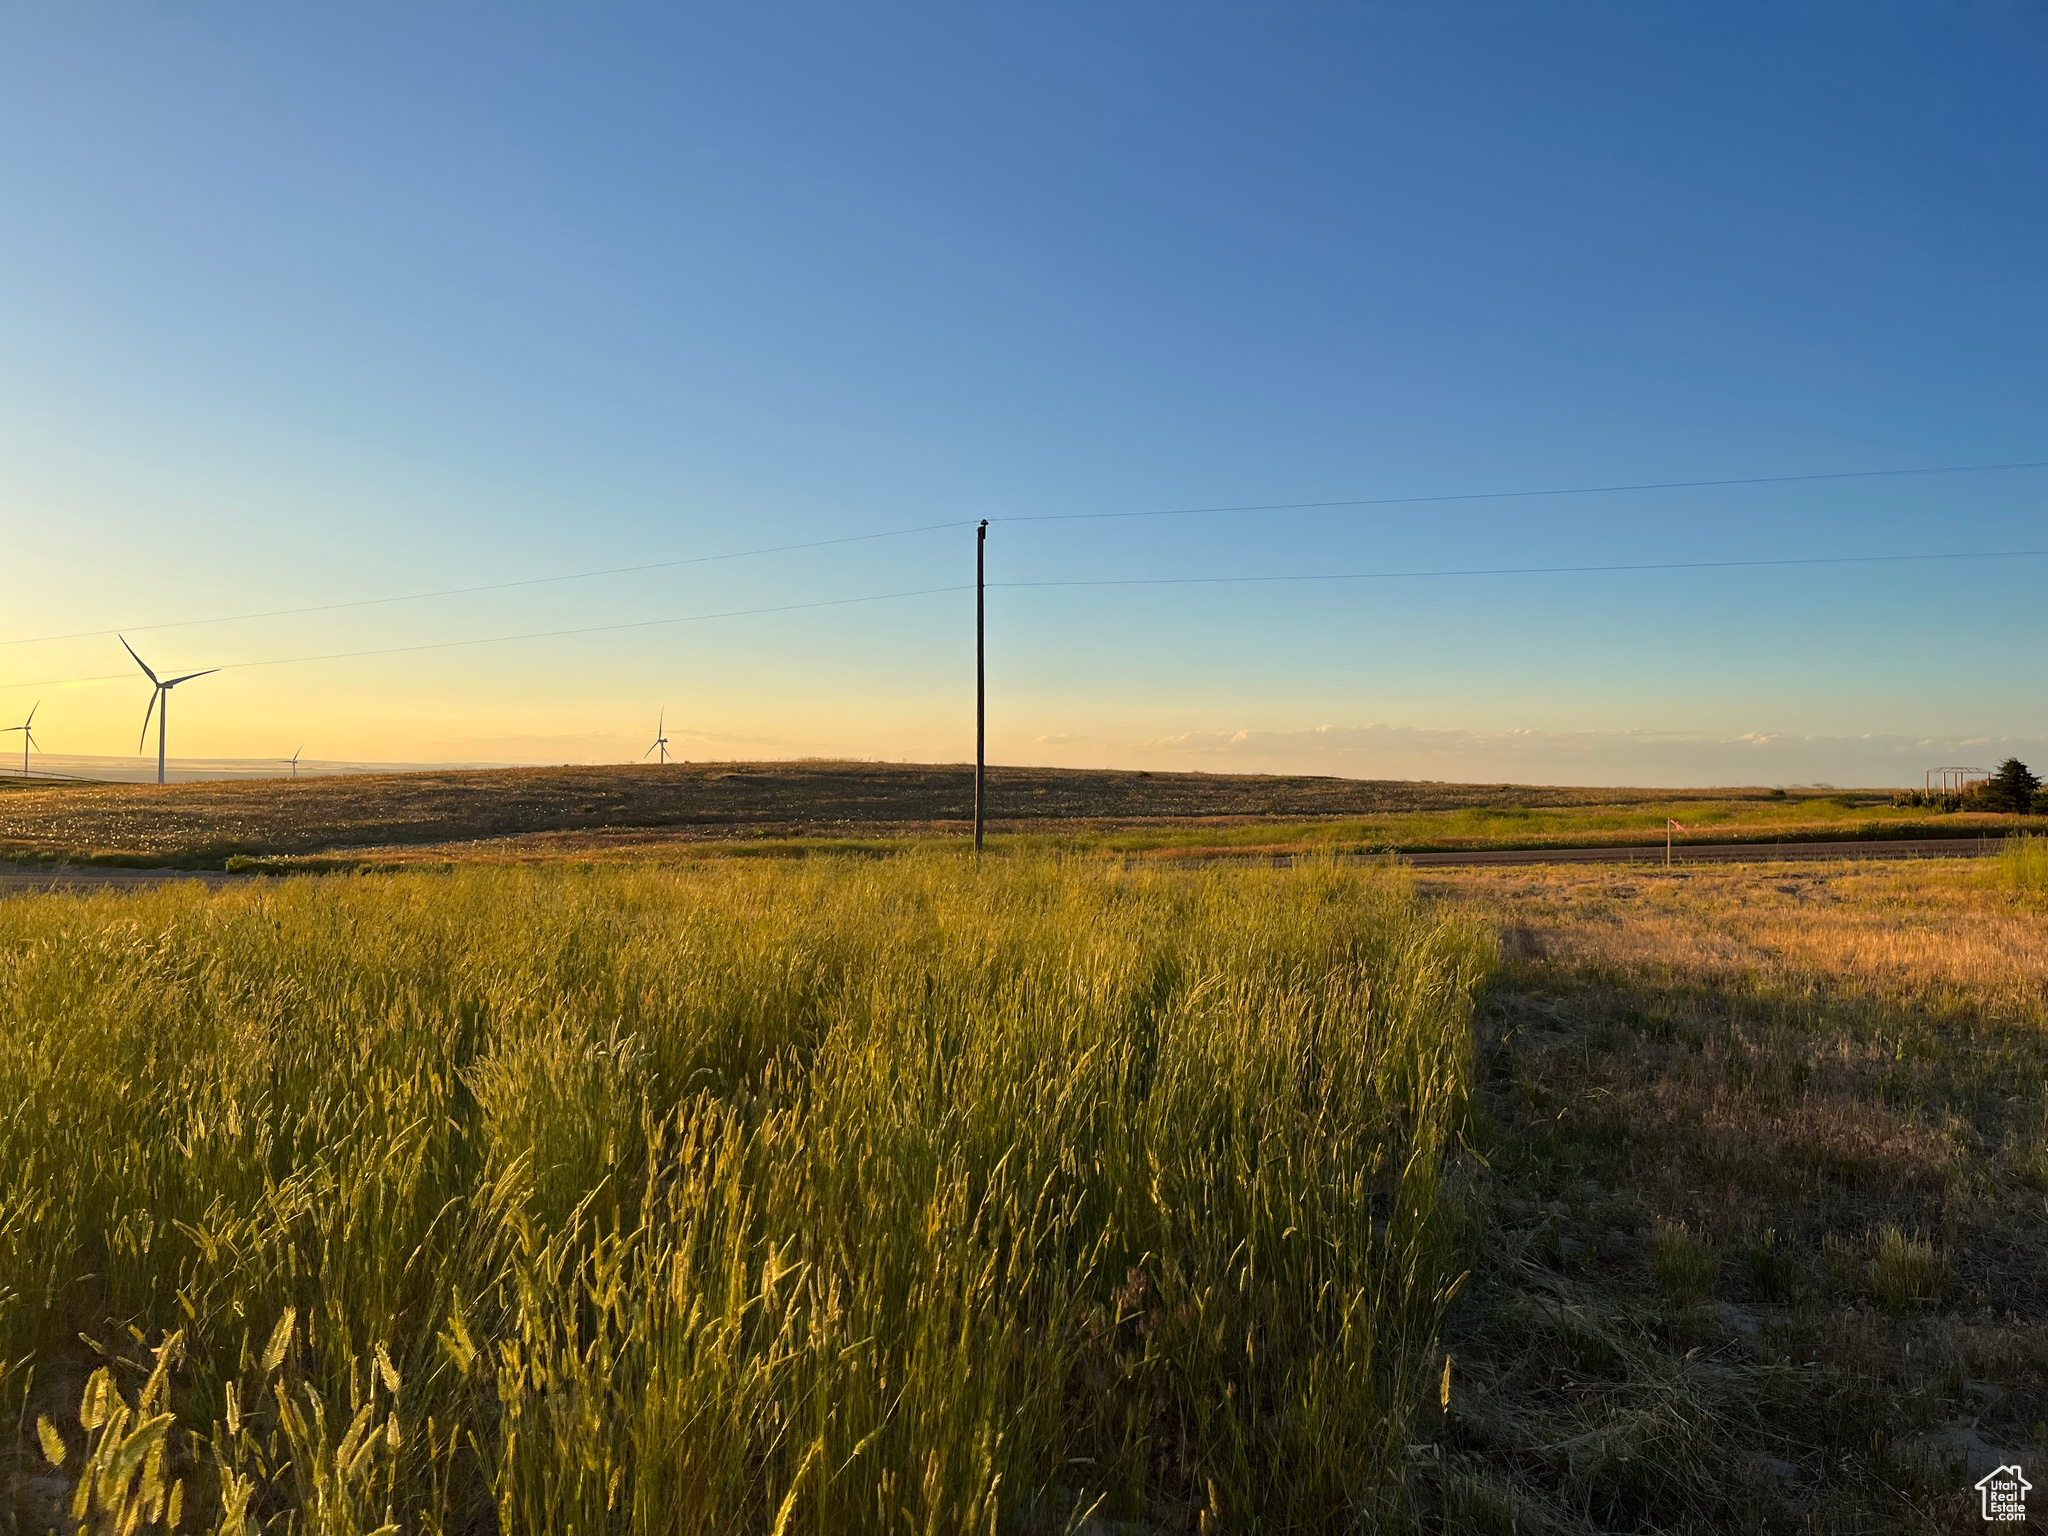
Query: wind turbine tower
{"type": "Point", "coordinates": [660, 740]}
{"type": "Point", "coordinates": [159, 702]}
{"type": "Point", "coordinates": [28, 738]}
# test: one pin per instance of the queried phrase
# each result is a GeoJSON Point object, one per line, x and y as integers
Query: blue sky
{"type": "Point", "coordinates": [299, 310]}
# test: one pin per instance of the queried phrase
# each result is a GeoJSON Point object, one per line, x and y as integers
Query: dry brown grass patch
{"type": "Point", "coordinates": [1770, 1249]}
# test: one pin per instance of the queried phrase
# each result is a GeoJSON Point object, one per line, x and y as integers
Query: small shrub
{"type": "Point", "coordinates": [1907, 1272]}
{"type": "Point", "coordinates": [1684, 1262]}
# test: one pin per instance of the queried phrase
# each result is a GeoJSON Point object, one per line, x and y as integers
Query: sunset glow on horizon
{"type": "Point", "coordinates": [335, 313]}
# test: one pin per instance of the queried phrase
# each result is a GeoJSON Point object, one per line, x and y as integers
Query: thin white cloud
{"type": "Point", "coordinates": [1384, 751]}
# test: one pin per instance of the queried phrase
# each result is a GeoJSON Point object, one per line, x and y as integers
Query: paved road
{"type": "Point", "coordinates": [1718, 853]}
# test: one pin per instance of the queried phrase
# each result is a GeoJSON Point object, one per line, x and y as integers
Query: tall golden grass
{"type": "Point", "coordinates": [844, 1197]}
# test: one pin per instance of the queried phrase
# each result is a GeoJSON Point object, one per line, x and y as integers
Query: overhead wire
{"type": "Point", "coordinates": [491, 586]}
{"type": "Point", "coordinates": [1106, 581]}
{"type": "Point", "coordinates": [538, 634]}
{"type": "Point", "coordinates": [1526, 570]}
{"type": "Point", "coordinates": [1574, 490]}
{"type": "Point", "coordinates": [1046, 517]}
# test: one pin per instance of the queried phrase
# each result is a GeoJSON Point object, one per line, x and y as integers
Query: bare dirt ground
{"type": "Point", "coordinates": [577, 810]}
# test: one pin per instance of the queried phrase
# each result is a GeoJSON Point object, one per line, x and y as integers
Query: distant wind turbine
{"type": "Point", "coordinates": [28, 738]}
{"type": "Point", "coordinates": [159, 702]}
{"type": "Point", "coordinates": [660, 740]}
{"type": "Point", "coordinates": [295, 759]}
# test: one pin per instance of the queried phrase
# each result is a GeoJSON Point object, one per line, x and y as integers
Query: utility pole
{"type": "Point", "coordinates": [980, 673]}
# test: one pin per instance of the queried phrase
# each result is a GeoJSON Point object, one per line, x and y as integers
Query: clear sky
{"type": "Point", "coordinates": [301, 310]}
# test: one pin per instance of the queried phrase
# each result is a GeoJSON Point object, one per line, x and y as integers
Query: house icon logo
{"type": "Point", "coordinates": [2004, 1492]}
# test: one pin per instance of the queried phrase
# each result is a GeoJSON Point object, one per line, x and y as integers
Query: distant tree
{"type": "Point", "coordinates": [2010, 789]}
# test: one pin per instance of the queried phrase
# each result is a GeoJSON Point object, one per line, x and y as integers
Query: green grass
{"type": "Point", "coordinates": [1684, 1265]}
{"type": "Point", "coordinates": [832, 1196]}
{"type": "Point", "coordinates": [1745, 820]}
{"type": "Point", "coordinates": [2023, 866]}
{"type": "Point", "coordinates": [568, 812]}
{"type": "Point", "coordinates": [626, 813]}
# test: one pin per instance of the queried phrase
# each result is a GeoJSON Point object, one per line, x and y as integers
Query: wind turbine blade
{"type": "Point", "coordinates": [143, 740]}
{"type": "Point", "coordinates": [174, 681]}
{"type": "Point", "coordinates": [31, 720]}
{"type": "Point", "coordinates": [138, 660]}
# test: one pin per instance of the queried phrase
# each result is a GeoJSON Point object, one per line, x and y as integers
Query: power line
{"type": "Point", "coordinates": [539, 634]}
{"type": "Point", "coordinates": [494, 586]}
{"type": "Point", "coordinates": [1526, 570]}
{"type": "Point", "coordinates": [1107, 581]}
{"type": "Point", "coordinates": [1572, 490]}
{"type": "Point", "coordinates": [1046, 517]}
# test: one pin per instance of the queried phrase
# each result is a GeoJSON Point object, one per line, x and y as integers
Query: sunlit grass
{"type": "Point", "coordinates": [1517, 826]}
{"type": "Point", "coordinates": [832, 1196]}
{"type": "Point", "coordinates": [1166, 840]}
{"type": "Point", "coordinates": [623, 813]}
{"type": "Point", "coordinates": [2023, 866]}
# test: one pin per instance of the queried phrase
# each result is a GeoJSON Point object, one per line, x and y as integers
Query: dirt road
{"type": "Point", "coordinates": [1718, 853]}
{"type": "Point", "coordinates": [23, 880]}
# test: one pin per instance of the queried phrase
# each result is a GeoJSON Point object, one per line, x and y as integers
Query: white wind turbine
{"type": "Point", "coordinates": [159, 702]}
{"type": "Point", "coordinates": [660, 739]}
{"type": "Point", "coordinates": [295, 760]}
{"type": "Point", "coordinates": [28, 738]}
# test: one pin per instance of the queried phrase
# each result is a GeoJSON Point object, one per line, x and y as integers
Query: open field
{"type": "Point", "coordinates": [685, 811]}
{"type": "Point", "coordinates": [872, 1190]}
{"type": "Point", "coordinates": [37, 878]}
{"type": "Point", "coordinates": [838, 1197]}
